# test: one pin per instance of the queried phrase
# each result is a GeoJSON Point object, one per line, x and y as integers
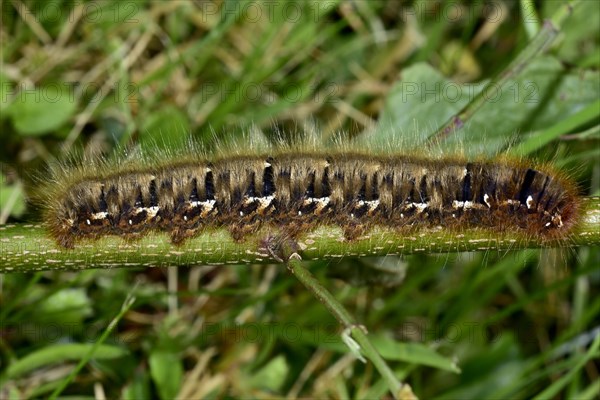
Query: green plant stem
{"type": "Point", "coordinates": [65, 382]}
{"type": "Point", "coordinates": [531, 21]}
{"type": "Point", "coordinates": [542, 138]}
{"type": "Point", "coordinates": [540, 42]}
{"type": "Point", "coordinates": [358, 333]}
{"type": "Point", "coordinates": [27, 248]}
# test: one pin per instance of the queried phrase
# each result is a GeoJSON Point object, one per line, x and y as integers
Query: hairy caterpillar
{"type": "Point", "coordinates": [296, 191]}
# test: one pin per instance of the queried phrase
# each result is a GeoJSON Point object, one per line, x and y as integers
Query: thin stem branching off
{"type": "Point", "coordinates": [358, 333]}
{"type": "Point", "coordinates": [540, 42]}
{"type": "Point", "coordinates": [25, 248]}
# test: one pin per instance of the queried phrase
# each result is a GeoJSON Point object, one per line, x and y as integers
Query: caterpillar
{"type": "Point", "coordinates": [295, 191]}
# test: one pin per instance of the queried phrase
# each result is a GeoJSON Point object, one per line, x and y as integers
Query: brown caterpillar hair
{"type": "Point", "coordinates": [297, 191]}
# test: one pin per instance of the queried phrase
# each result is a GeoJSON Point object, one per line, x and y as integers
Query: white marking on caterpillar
{"type": "Point", "coordinates": [207, 206]}
{"type": "Point", "coordinates": [529, 202]}
{"type": "Point", "coordinates": [322, 202]}
{"type": "Point", "coordinates": [372, 204]}
{"type": "Point", "coordinates": [152, 211]}
{"type": "Point", "coordinates": [557, 220]}
{"type": "Point", "coordinates": [467, 205]}
{"type": "Point", "coordinates": [99, 215]}
{"type": "Point", "coordinates": [421, 207]}
{"type": "Point", "coordinates": [263, 202]}
{"type": "Point", "coordinates": [485, 200]}
{"type": "Point", "coordinates": [207, 203]}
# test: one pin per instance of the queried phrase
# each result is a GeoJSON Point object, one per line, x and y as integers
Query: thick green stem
{"type": "Point", "coordinates": [26, 248]}
{"type": "Point", "coordinates": [540, 42]}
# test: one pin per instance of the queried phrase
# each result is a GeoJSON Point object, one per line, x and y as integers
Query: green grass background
{"type": "Point", "coordinates": [94, 76]}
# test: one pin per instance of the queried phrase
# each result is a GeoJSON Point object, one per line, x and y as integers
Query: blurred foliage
{"type": "Point", "coordinates": [95, 76]}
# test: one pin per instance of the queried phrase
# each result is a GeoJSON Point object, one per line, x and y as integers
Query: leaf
{"type": "Point", "coordinates": [11, 196]}
{"type": "Point", "coordinates": [139, 387]}
{"type": "Point", "coordinates": [167, 372]}
{"type": "Point", "coordinates": [415, 106]}
{"type": "Point", "coordinates": [271, 376]}
{"type": "Point", "coordinates": [41, 110]}
{"type": "Point", "coordinates": [67, 306]}
{"type": "Point", "coordinates": [413, 353]}
{"type": "Point", "coordinates": [61, 353]}
{"type": "Point", "coordinates": [543, 95]}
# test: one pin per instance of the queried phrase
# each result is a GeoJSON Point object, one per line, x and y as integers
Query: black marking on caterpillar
{"type": "Point", "coordinates": [297, 192]}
